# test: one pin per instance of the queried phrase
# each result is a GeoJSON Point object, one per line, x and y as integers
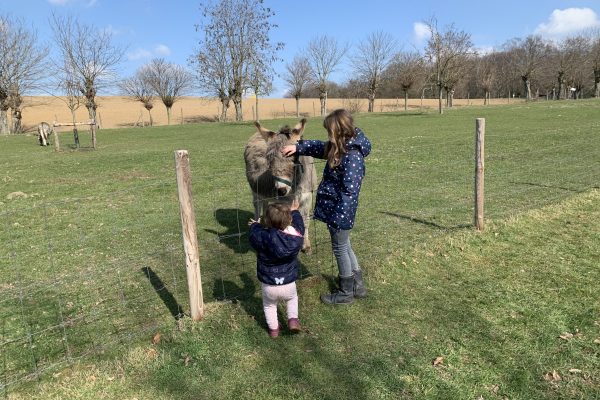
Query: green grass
{"type": "Point", "coordinates": [91, 266]}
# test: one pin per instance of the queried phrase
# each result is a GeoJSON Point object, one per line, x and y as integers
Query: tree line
{"type": "Point", "coordinates": [236, 56]}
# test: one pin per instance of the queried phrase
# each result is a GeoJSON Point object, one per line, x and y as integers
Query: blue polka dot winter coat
{"type": "Point", "coordinates": [337, 195]}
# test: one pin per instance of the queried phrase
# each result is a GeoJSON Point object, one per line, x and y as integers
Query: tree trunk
{"type": "Point", "coordinates": [371, 102]}
{"type": "Point", "coordinates": [4, 129]}
{"type": "Point", "coordinates": [297, 106]}
{"type": "Point", "coordinates": [239, 116]}
{"type": "Point", "coordinates": [440, 99]}
{"type": "Point", "coordinates": [168, 115]}
{"type": "Point", "coordinates": [323, 100]}
{"type": "Point", "coordinates": [224, 108]}
{"type": "Point", "coordinates": [256, 102]}
{"type": "Point", "coordinates": [17, 126]}
{"type": "Point", "coordinates": [527, 87]}
{"type": "Point", "coordinates": [75, 133]}
{"type": "Point", "coordinates": [150, 117]}
{"type": "Point", "coordinates": [596, 82]}
{"type": "Point", "coordinates": [405, 100]}
{"type": "Point", "coordinates": [561, 82]}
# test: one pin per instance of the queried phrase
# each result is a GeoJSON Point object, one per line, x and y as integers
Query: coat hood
{"type": "Point", "coordinates": [359, 142]}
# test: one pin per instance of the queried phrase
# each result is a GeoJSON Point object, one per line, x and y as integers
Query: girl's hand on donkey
{"type": "Point", "coordinates": [288, 150]}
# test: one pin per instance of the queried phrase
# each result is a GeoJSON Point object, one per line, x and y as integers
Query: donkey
{"type": "Point", "coordinates": [274, 177]}
{"type": "Point", "coordinates": [44, 131]}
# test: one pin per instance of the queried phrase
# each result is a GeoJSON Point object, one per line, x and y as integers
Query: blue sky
{"type": "Point", "coordinates": [159, 28]}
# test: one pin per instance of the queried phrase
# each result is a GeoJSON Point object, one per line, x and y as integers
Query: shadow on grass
{"type": "Point", "coordinates": [165, 295]}
{"type": "Point", "coordinates": [550, 186]}
{"type": "Point", "coordinates": [424, 222]}
{"type": "Point", "coordinates": [235, 222]}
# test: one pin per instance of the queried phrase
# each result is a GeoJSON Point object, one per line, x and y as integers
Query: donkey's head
{"type": "Point", "coordinates": [286, 171]}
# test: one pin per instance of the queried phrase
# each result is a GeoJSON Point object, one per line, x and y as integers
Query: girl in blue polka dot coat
{"type": "Point", "coordinates": [337, 195]}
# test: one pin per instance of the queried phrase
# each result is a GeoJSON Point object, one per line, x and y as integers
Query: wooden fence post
{"type": "Point", "coordinates": [479, 172]}
{"type": "Point", "coordinates": [190, 240]}
{"type": "Point", "coordinates": [93, 131]}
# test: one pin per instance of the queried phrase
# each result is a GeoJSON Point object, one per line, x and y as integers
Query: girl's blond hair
{"type": "Point", "coordinates": [340, 127]}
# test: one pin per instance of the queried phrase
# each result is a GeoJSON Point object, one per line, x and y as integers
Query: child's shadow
{"type": "Point", "coordinates": [235, 222]}
{"type": "Point", "coordinates": [247, 295]}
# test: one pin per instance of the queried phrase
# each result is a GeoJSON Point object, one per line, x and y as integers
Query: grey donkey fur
{"type": "Point", "coordinates": [44, 132]}
{"type": "Point", "coordinates": [274, 177]}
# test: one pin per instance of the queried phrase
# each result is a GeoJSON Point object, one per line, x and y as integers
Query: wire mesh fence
{"type": "Point", "coordinates": [83, 277]}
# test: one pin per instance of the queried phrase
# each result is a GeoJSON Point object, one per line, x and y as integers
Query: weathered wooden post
{"type": "Point", "coordinates": [479, 171]}
{"type": "Point", "coordinates": [56, 140]}
{"type": "Point", "coordinates": [190, 240]}
{"type": "Point", "coordinates": [93, 131]}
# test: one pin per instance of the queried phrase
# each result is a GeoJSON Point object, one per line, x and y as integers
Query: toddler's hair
{"type": "Point", "coordinates": [278, 215]}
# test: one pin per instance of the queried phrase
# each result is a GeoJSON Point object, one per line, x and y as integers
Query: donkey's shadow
{"type": "Point", "coordinates": [235, 223]}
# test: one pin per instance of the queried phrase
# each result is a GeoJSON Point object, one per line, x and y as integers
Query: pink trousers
{"type": "Point", "coordinates": [273, 294]}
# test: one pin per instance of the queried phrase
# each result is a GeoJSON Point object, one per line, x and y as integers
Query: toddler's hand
{"type": "Point", "coordinates": [253, 222]}
{"type": "Point", "coordinates": [295, 205]}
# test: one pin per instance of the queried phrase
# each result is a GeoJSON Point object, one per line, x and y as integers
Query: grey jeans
{"type": "Point", "coordinates": [342, 250]}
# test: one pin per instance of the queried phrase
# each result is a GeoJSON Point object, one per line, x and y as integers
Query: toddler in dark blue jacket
{"type": "Point", "coordinates": [277, 245]}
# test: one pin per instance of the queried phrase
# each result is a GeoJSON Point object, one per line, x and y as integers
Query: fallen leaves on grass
{"type": "Point", "coordinates": [438, 361]}
{"type": "Point", "coordinates": [552, 376]}
{"type": "Point", "coordinates": [157, 338]}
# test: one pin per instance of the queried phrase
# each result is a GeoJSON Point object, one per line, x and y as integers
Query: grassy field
{"type": "Point", "coordinates": [92, 269]}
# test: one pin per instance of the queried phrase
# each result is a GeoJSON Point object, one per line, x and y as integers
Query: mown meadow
{"type": "Point", "coordinates": [93, 297]}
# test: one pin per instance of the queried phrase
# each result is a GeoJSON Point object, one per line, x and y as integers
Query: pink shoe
{"type": "Point", "coordinates": [274, 332]}
{"type": "Point", "coordinates": [294, 325]}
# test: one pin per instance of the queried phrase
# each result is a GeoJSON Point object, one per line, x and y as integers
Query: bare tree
{"type": "Point", "coordinates": [578, 49]}
{"type": "Point", "coordinates": [260, 80]}
{"type": "Point", "coordinates": [594, 59]}
{"type": "Point", "coordinates": [88, 55]}
{"type": "Point", "coordinates": [139, 89]}
{"type": "Point", "coordinates": [324, 54]}
{"type": "Point", "coordinates": [526, 58]}
{"type": "Point", "coordinates": [211, 66]}
{"type": "Point", "coordinates": [168, 81]}
{"type": "Point", "coordinates": [486, 75]}
{"type": "Point", "coordinates": [297, 77]}
{"type": "Point", "coordinates": [21, 69]}
{"type": "Point", "coordinates": [237, 31]}
{"type": "Point", "coordinates": [372, 58]}
{"type": "Point", "coordinates": [405, 71]}
{"type": "Point", "coordinates": [447, 52]}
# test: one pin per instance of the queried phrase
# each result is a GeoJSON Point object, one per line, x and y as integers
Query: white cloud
{"type": "Point", "coordinates": [58, 2]}
{"type": "Point", "coordinates": [421, 32]}
{"type": "Point", "coordinates": [162, 50]}
{"type": "Point", "coordinates": [138, 54]}
{"type": "Point", "coordinates": [569, 20]}
{"type": "Point", "coordinates": [484, 50]}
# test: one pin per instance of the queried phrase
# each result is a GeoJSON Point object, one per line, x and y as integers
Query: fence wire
{"type": "Point", "coordinates": [84, 277]}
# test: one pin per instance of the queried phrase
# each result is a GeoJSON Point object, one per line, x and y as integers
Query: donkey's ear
{"type": "Point", "coordinates": [265, 133]}
{"type": "Point", "coordinates": [299, 129]}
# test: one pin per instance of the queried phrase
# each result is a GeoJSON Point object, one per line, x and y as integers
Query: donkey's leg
{"type": "Point", "coordinates": [305, 201]}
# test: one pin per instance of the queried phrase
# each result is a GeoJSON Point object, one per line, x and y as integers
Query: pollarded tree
{"type": "Point", "coordinates": [139, 89]}
{"type": "Point", "coordinates": [527, 56]}
{"type": "Point", "coordinates": [405, 71]}
{"type": "Point", "coordinates": [260, 79]}
{"type": "Point", "coordinates": [88, 55]}
{"type": "Point", "coordinates": [237, 32]}
{"type": "Point", "coordinates": [372, 58]}
{"type": "Point", "coordinates": [446, 52]}
{"type": "Point", "coordinates": [297, 77]}
{"type": "Point", "coordinates": [324, 53]}
{"type": "Point", "coordinates": [594, 59]}
{"type": "Point", "coordinates": [168, 81]}
{"type": "Point", "coordinates": [578, 49]}
{"type": "Point", "coordinates": [21, 69]}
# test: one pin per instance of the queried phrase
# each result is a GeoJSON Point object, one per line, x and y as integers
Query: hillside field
{"type": "Point", "coordinates": [93, 295]}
